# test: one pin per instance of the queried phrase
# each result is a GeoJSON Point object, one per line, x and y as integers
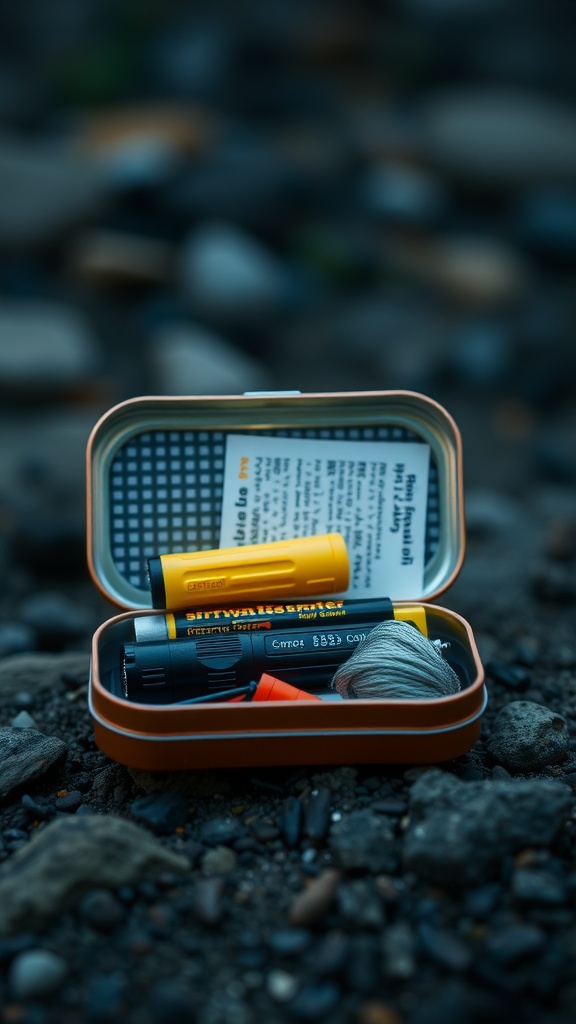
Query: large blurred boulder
{"type": "Point", "coordinates": [187, 359]}
{"type": "Point", "coordinates": [45, 346]}
{"type": "Point", "coordinates": [500, 137]}
{"type": "Point", "coordinates": [44, 190]}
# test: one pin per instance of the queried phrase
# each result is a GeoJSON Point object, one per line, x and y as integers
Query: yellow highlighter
{"type": "Point", "coordinates": [282, 569]}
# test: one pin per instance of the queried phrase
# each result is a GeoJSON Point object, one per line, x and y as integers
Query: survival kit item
{"type": "Point", "coordinates": [296, 567]}
{"type": "Point", "coordinates": [288, 536]}
{"type": "Point", "coordinates": [392, 659]}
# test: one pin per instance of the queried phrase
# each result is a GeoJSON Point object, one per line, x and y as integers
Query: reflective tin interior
{"type": "Point", "coordinates": [155, 474]}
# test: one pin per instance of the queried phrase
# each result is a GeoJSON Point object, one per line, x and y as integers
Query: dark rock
{"type": "Point", "coordinates": [390, 805]}
{"type": "Point", "coordinates": [314, 901]}
{"type": "Point", "coordinates": [70, 801]}
{"type": "Point", "coordinates": [403, 195]}
{"type": "Point", "coordinates": [315, 1000]}
{"type": "Point", "coordinates": [186, 358]}
{"type": "Point", "coordinates": [511, 944]}
{"type": "Point", "coordinates": [161, 812]}
{"type": "Point", "coordinates": [560, 541]}
{"type": "Point", "coordinates": [481, 902]}
{"type": "Point", "coordinates": [105, 1000]}
{"type": "Point", "coordinates": [23, 721]}
{"type": "Point", "coordinates": [545, 220]}
{"type": "Point", "coordinates": [291, 821]}
{"type": "Point", "coordinates": [265, 831]}
{"type": "Point", "coordinates": [399, 945]}
{"type": "Point", "coordinates": [37, 810]}
{"type": "Point", "coordinates": [34, 672]}
{"type": "Point", "coordinates": [219, 860]}
{"type": "Point", "coordinates": [221, 831]}
{"type": "Point", "coordinates": [208, 900]}
{"type": "Point", "coordinates": [317, 814]}
{"type": "Point", "coordinates": [16, 638]}
{"type": "Point", "coordinates": [56, 619]}
{"type": "Point", "coordinates": [26, 754]}
{"type": "Point", "coordinates": [45, 189]}
{"type": "Point", "coordinates": [289, 941]}
{"type": "Point", "coordinates": [330, 954]}
{"type": "Point", "coordinates": [532, 887]}
{"type": "Point", "coordinates": [101, 909]}
{"type": "Point", "coordinates": [171, 1002]}
{"type": "Point", "coordinates": [364, 841]}
{"type": "Point", "coordinates": [110, 788]}
{"type": "Point", "coordinates": [554, 582]}
{"type": "Point", "coordinates": [483, 358]}
{"type": "Point", "coordinates": [359, 904]}
{"type": "Point", "coordinates": [69, 857]}
{"type": "Point", "coordinates": [526, 737]}
{"type": "Point", "coordinates": [363, 965]}
{"type": "Point", "coordinates": [461, 831]}
{"type": "Point", "coordinates": [514, 677]}
{"type": "Point", "coordinates": [445, 947]}
{"type": "Point", "coordinates": [554, 459]}
{"type": "Point", "coordinates": [227, 272]}
{"type": "Point", "coordinates": [35, 974]}
{"type": "Point", "coordinates": [24, 700]}
{"type": "Point", "coordinates": [499, 136]}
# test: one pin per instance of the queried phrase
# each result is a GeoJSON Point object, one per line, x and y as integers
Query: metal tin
{"type": "Point", "coordinates": [154, 483]}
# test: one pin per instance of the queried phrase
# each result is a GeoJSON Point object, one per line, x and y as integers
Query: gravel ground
{"type": "Point", "coordinates": [329, 199]}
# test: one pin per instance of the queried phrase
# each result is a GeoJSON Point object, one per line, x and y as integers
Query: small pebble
{"type": "Point", "coordinates": [314, 901]}
{"type": "Point", "coordinates": [399, 948]}
{"type": "Point", "coordinates": [291, 821]}
{"type": "Point", "coordinates": [23, 720]}
{"type": "Point", "coordinates": [104, 1002]}
{"type": "Point", "coordinates": [161, 812]}
{"type": "Point", "coordinates": [69, 801]}
{"type": "Point", "coordinates": [445, 947]}
{"type": "Point", "coordinates": [220, 831]}
{"type": "Point", "coordinates": [315, 1000]}
{"type": "Point", "coordinates": [171, 1002]}
{"type": "Point", "coordinates": [317, 814]}
{"type": "Point", "coordinates": [365, 841]}
{"type": "Point", "coordinates": [36, 973]}
{"type": "Point", "coordinates": [281, 986]}
{"type": "Point", "coordinates": [376, 1012]}
{"type": "Point", "coordinates": [534, 888]}
{"type": "Point", "coordinates": [220, 860]}
{"type": "Point", "coordinates": [208, 901]}
{"type": "Point", "coordinates": [526, 737]}
{"type": "Point", "coordinates": [289, 941]}
{"type": "Point", "coordinates": [514, 677]}
{"type": "Point", "coordinates": [363, 964]}
{"type": "Point", "coordinates": [101, 909]}
{"type": "Point", "coordinates": [36, 809]}
{"type": "Point", "coordinates": [513, 943]}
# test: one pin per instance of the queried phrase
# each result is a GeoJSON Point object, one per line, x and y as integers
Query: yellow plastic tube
{"type": "Point", "coordinates": [287, 568]}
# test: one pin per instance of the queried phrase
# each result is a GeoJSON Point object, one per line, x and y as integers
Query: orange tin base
{"type": "Point", "coordinates": [227, 735]}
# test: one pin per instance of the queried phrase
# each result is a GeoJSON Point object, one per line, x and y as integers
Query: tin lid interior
{"type": "Point", "coordinates": [155, 474]}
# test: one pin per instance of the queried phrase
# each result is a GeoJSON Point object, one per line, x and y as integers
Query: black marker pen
{"type": "Point", "coordinates": [265, 617]}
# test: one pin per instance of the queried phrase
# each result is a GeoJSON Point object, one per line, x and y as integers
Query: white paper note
{"type": "Point", "coordinates": [372, 492]}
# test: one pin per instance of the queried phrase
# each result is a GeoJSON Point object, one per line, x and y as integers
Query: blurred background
{"type": "Point", "coordinates": [214, 198]}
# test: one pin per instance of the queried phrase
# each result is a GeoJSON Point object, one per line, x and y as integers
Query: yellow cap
{"type": "Point", "coordinates": [284, 568]}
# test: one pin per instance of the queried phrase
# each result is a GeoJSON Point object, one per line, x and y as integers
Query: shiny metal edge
{"type": "Point", "coordinates": [277, 411]}
{"type": "Point", "coordinates": [186, 737]}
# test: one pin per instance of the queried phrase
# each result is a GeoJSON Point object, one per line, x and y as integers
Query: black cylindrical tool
{"type": "Point", "coordinates": [168, 671]}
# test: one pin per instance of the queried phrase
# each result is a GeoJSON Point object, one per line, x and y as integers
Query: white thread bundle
{"type": "Point", "coordinates": [396, 661]}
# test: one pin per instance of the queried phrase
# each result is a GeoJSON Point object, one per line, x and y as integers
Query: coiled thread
{"type": "Point", "coordinates": [396, 661]}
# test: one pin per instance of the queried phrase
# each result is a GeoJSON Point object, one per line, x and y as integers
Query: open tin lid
{"type": "Point", "coordinates": [157, 479]}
